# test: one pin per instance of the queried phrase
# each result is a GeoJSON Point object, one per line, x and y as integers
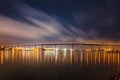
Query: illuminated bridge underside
{"type": "Point", "coordinates": [64, 45]}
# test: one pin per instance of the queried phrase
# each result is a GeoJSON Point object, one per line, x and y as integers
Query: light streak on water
{"type": "Point", "coordinates": [65, 50]}
{"type": "Point", "coordinates": [57, 56]}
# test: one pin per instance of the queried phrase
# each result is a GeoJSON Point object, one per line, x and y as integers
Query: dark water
{"type": "Point", "coordinates": [58, 65]}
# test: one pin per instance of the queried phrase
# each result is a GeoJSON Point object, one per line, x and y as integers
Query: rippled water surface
{"type": "Point", "coordinates": [58, 65]}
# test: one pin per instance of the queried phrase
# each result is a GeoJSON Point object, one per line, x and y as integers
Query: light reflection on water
{"type": "Point", "coordinates": [59, 57]}
{"type": "Point", "coordinates": [96, 65]}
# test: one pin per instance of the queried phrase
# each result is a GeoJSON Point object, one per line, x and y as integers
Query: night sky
{"type": "Point", "coordinates": [59, 20]}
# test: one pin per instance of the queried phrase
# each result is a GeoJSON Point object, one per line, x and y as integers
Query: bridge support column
{"type": "Point", "coordinates": [40, 49]}
{"type": "Point", "coordinates": [113, 47]}
{"type": "Point", "coordinates": [55, 46]}
{"type": "Point", "coordinates": [91, 47]}
{"type": "Point", "coordinates": [106, 47]}
{"type": "Point", "coordinates": [99, 48]}
{"type": "Point", "coordinates": [42, 46]}
{"type": "Point", "coordinates": [118, 47]}
{"type": "Point", "coordinates": [72, 46]}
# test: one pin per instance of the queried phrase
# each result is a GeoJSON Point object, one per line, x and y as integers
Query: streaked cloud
{"type": "Point", "coordinates": [25, 23]}
{"type": "Point", "coordinates": [34, 24]}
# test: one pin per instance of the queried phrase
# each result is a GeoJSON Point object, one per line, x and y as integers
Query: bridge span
{"type": "Point", "coordinates": [63, 45]}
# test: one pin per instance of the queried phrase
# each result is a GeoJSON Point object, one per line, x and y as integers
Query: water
{"type": "Point", "coordinates": [58, 65]}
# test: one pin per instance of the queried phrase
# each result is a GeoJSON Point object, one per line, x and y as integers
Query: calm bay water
{"type": "Point", "coordinates": [58, 65]}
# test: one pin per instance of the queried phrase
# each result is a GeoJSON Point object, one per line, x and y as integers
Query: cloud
{"type": "Point", "coordinates": [29, 24]}
{"type": "Point", "coordinates": [35, 25]}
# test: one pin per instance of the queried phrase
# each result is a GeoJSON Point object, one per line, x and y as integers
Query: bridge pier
{"type": "Point", "coordinates": [91, 47]}
{"type": "Point", "coordinates": [72, 46]}
{"type": "Point", "coordinates": [42, 46]}
{"type": "Point", "coordinates": [55, 46]}
{"type": "Point", "coordinates": [113, 48]}
{"type": "Point", "coordinates": [98, 47]}
{"type": "Point", "coordinates": [106, 47]}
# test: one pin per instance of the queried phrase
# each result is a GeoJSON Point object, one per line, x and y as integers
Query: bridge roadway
{"type": "Point", "coordinates": [60, 43]}
{"type": "Point", "coordinates": [115, 46]}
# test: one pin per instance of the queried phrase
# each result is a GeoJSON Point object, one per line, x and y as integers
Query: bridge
{"type": "Point", "coordinates": [84, 45]}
